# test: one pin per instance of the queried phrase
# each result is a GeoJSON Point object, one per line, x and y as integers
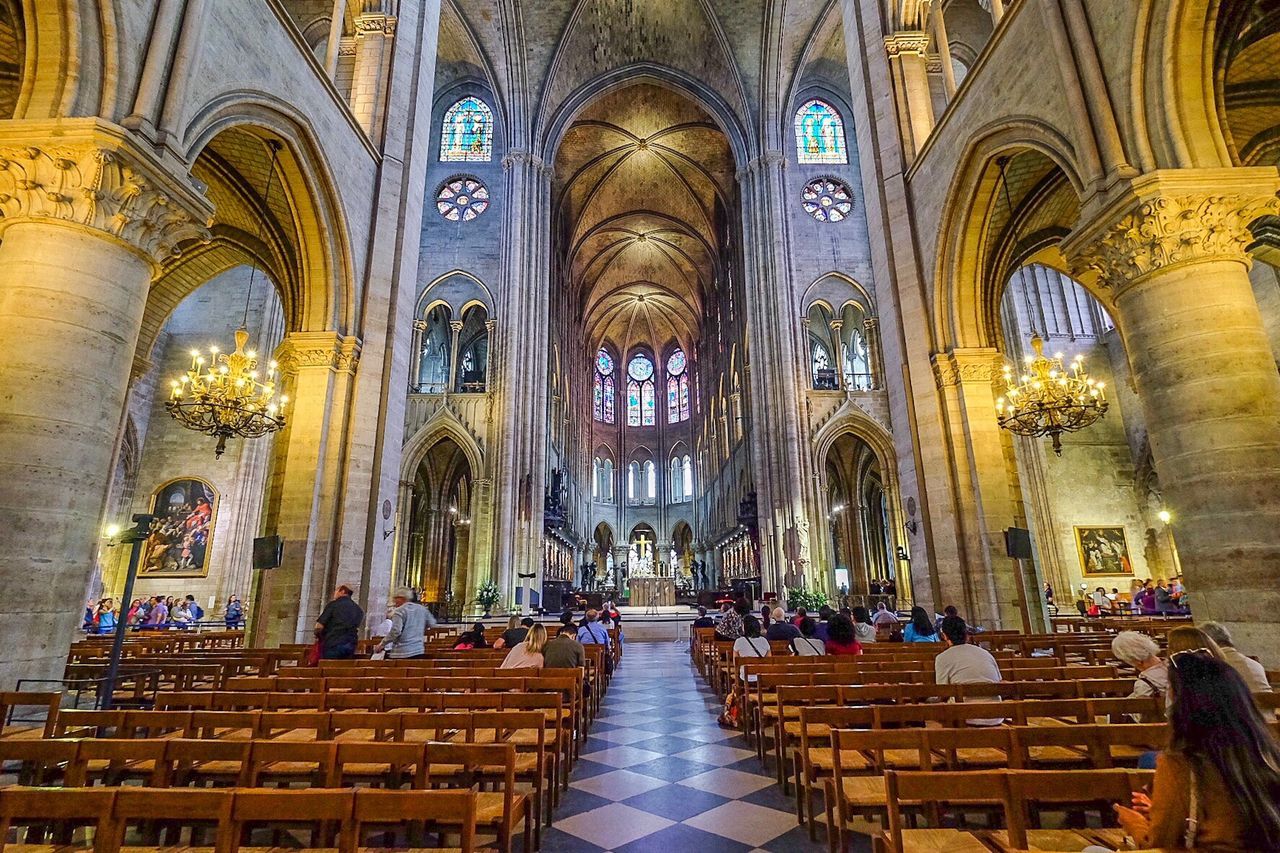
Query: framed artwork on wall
{"type": "Point", "coordinates": [1103, 550]}
{"type": "Point", "coordinates": [178, 547]}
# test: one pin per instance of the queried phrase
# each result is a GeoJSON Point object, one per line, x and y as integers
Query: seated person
{"type": "Point", "coordinates": [807, 644]}
{"type": "Point", "coordinates": [528, 653]}
{"type": "Point", "coordinates": [841, 639]}
{"type": "Point", "coordinates": [780, 628]}
{"type": "Point", "coordinates": [1142, 653]}
{"type": "Point", "coordinates": [750, 644]}
{"type": "Point", "coordinates": [517, 631]}
{"type": "Point", "coordinates": [962, 663]}
{"type": "Point", "coordinates": [730, 627]}
{"type": "Point", "coordinates": [703, 620]}
{"type": "Point", "coordinates": [863, 629]}
{"type": "Point", "coordinates": [920, 628]}
{"type": "Point", "coordinates": [1222, 757]}
{"type": "Point", "coordinates": [564, 651]}
{"type": "Point", "coordinates": [473, 639]}
{"type": "Point", "coordinates": [1253, 673]}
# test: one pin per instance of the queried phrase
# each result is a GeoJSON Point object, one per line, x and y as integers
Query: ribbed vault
{"type": "Point", "coordinates": [642, 185]}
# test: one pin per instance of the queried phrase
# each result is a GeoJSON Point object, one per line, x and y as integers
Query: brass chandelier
{"type": "Point", "coordinates": [1050, 398]}
{"type": "Point", "coordinates": [225, 395]}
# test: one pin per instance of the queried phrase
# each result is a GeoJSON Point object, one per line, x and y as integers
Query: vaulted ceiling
{"type": "Point", "coordinates": [643, 181]}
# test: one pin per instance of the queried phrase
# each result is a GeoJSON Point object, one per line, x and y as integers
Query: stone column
{"type": "Point", "coordinates": [871, 331]}
{"type": "Point", "coordinates": [455, 330]}
{"type": "Point", "coordinates": [306, 497]}
{"type": "Point", "coordinates": [86, 216]}
{"type": "Point", "coordinates": [985, 502]}
{"type": "Point", "coordinates": [1170, 255]}
{"type": "Point", "coordinates": [415, 354]}
{"type": "Point", "coordinates": [374, 34]}
{"type": "Point", "coordinates": [909, 69]}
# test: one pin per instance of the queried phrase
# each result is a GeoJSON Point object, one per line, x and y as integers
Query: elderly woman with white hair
{"type": "Point", "coordinates": [1142, 653]}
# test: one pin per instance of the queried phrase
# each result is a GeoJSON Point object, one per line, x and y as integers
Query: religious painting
{"type": "Point", "coordinates": [178, 547]}
{"type": "Point", "coordinates": [1103, 551]}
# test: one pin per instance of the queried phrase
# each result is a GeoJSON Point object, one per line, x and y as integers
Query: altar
{"type": "Point", "coordinates": [652, 592]}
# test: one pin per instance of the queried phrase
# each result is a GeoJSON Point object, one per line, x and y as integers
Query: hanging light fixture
{"type": "Point", "coordinates": [225, 394]}
{"type": "Point", "coordinates": [1049, 398]}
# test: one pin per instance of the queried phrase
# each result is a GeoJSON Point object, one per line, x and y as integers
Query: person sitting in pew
{"type": "Point", "coordinates": [963, 663]}
{"type": "Point", "coordinates": [1217, 786]}
{"type": "Point", "coordinates": [808, 644]}
{"type": "Point", "coordinates": [1142, 653]}
{"type": "Point", "coordinates": [1253, 673]}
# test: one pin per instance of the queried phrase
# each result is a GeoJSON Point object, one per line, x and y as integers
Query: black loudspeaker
{"type": "Point", "coordinates": [268, 552]}
{"type": "Point", "coordinates": [1017, 543]}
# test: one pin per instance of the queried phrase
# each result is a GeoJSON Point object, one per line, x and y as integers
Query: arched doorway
{"type": "Point", "coordinates": [602, 571]}
{"type": "Point", "coordinates": [859, 517]}
{"type": "Point", "coordinates": [438, 551]}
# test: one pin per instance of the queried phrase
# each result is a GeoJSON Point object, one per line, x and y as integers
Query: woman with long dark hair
{"type": "Point", "coordinates": [1217, 786]}
{"type": "Point", "coordinates": [920, 629]}
{"type": "Point", "coordinates": [841, 639]}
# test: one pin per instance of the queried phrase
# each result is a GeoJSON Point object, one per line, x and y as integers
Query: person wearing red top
{"type": "Point", "coordinates": [840, 636]}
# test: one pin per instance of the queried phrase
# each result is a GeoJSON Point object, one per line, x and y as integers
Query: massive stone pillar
{"type": "Point", "coordinates": [307, 493]}
{"type": "Point", "coordinates": [86, 216]}
{"type": "Point", "coordinates": [522, 369]}
{"type": "Point", "coordinates": [985, 583]}
{"type": "Point", "coordinates": [781, 459]}
{"type": "Point", "coordinates": [1170, 254]}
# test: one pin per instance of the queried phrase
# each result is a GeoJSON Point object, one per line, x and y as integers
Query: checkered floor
{"type": "Point", "coordinates": [658, 774]}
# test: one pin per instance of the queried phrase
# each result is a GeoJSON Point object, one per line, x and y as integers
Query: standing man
{"type": "Point", "coordinates": [337, 627]}
{"type": "Point", "coordinates": [409, 624]}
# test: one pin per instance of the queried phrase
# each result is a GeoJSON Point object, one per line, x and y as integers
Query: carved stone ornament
{"type": "Point", "coordinates": [963, 367]}
{"type": "Point", "coordinates": [100, 188]}
{"type": "Point", "coordinates": [367, 25]}
{"type": "Point", "coordinates": [906, 43]}
{"type": "Point", "coordinates": [1173, 229]}
{"type": "Point", "coordinates": [328, 350]}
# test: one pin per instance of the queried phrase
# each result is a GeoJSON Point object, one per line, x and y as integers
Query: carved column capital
{"type": "Point", "coordinates": [456, 325]}
{"type": "Point", "coordinates": [912, 43]}
{"type": "Point", "coordinates": [318, 350]}
{"type": "Point", "coordinates": [91, 174]}
{"type": "Point", "coordinates": [375, 25]}
{"type": "Point", "coordinates": [1171, 217]}
{"type": "Point", "coordinates": [420, 325]}
{"type": "Point", "coordinates": [837, 324]}
{"type": "Point", "coordinates": [974, 365]}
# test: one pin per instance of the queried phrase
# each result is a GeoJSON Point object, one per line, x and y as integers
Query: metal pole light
{"type": "Point", "coordinates": [133, 537]}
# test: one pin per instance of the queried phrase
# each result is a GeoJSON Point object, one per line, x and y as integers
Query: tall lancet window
{"type": "Point", "coordinates": [602, 406]}
{"type": "Point", "coordinates": [820, 134]}
{"type": "Point", "coordinates": [641, 405]}
{"type": "Point", "coordinates": [677, 387]}
{"type": "Point", "coordinates": [466, 134]}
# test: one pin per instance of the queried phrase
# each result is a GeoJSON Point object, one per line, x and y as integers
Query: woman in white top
{"type": "Point", "coordinates": [807, 645]}
{"type": "Point", "coordinates": [750, 644]}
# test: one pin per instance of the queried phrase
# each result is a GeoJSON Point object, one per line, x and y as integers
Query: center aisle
{"type": "Point", "coordinates": [658, 774]}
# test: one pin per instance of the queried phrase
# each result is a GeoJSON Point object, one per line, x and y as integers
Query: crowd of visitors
{"type": "Point", "coordinates": [155, 613]}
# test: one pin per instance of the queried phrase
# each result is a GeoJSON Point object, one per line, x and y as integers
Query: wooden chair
{"type": "Point", "coordinates": [382, 764]}
{"type": "Point", "coordinates": [464, 765]}
{"type": "Point", "coordinates": [935, 793]}
{"type": "Point", "coordinates": [286, 763]}
{"type": "Point", "coordinates": [391, 809]}
{"type": "Point", "coordinates": [1032, 792]}
{"type": "Point", "coordinates": [195, 762]}
{"type": "Point", "coordinates": [54, 813]}
{"type": "Point", "coordinates": [225, 725]}
{"type": "Point", "coordinates": [166, 816]}
{"type": "Point", "coordinates": [39, 762]}
{"type": "Point", "coordinates": [114, 762]}
{"type": "Point", "coordinates": [11, 700]}
{"type": "Point", "coordinates": [318, 812]}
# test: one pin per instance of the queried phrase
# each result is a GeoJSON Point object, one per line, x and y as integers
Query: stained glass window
{"type": "Point", "coordinates": [827, 200]}
{"type": "Point", "coordinates": [673, 400]}
{"type": "Point", "coordinates": [641, 404]}
{"type": "Point", "coordinates": [688, 478]}
{"type": "Point", "coordinates": [820, 134]}
{"type": "Point", "coordinates": [640, 368]}
{"type": "Point", "coordinates": [675, 364]}
{"type": "Point", "coordinates": [684, 398]}
{"type": "Point", "coordinates": [633, 403]}
{"type": "Point", "coordinates": [462, 199]}
{"type": "Point", "coordinates": [602, 402]}
{"type": "Point", "coordinates": [466, 135]}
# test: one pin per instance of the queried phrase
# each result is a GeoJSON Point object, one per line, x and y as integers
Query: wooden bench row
{"type": "Point", "coordinates": [226, 821]}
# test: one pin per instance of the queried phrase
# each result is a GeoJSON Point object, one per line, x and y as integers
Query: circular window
{"type": "Point", "coordinates": [604, 363]}
{"type": "Point", "coordinates": [640, 368]}
{"type": "Point", "coordinates": [826, 199]}
{"type": "Point", "coordinates": [462, 199]}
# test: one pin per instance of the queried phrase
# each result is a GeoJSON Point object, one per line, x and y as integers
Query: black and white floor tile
{"type": "Point", "coordinates": [658, 774]}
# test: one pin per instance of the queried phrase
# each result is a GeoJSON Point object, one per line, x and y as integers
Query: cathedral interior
{"type": "Point", "coordinates": [505, 307]}
{"type": "Point", "coordinates": [644, 299]}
